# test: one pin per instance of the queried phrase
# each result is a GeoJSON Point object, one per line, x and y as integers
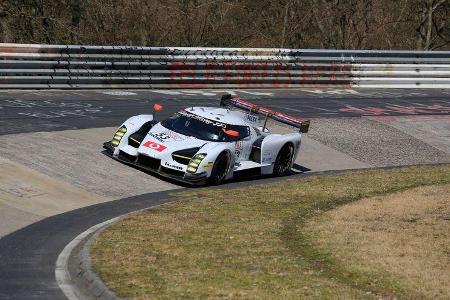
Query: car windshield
{"type": "Point", "coordinates": [189, 124]}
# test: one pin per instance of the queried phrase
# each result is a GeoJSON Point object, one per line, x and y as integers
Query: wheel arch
{"type": "Point", "coordinates": [231, 161]}
{"type": "Point", "coordinates": [213, 150]}
{"type": "Point", "coordinates": [271, 147]}
{"type": "Point", "coordinates": [132, 125]}
{"type": "Point", "coordinates": [218, 168]}
{"type": "Point", "coordinates": [293, 154]}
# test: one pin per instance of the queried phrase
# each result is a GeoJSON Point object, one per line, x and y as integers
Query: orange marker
{"type": "Point", "coordinates": [157, 107]}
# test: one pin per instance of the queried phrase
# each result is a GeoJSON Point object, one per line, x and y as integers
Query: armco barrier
{"type": "Point", "coordinates": [60, 66]}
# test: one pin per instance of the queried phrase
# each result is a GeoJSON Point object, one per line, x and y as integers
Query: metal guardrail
{"type": "Point", "coordinates": [62, 66]}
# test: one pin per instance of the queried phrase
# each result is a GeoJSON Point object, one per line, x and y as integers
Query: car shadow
{"type": "Point", "coordinates": [246, 177]}
{"type": "Point", "coordinates": [251, 176]}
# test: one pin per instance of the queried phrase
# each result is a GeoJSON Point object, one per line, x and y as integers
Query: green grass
{"type": "Point", "coordinates": [247, 242]}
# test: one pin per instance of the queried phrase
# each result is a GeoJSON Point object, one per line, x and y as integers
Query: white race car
{"type": "Point", "coordinates": [202, 145]}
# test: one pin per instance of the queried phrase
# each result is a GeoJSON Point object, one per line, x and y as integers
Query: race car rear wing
{"type": "Point", "coordinates": [228, 101]}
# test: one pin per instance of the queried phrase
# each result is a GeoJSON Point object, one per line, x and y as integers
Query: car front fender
{"type": "Point", "coordinates": [212, 151]}
{"type": "Point", "coordinates": [132, 124]}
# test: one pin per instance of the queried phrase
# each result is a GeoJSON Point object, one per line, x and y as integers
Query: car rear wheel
{"type": "Point", "coordinates": [220, 169]}
{"type": "Point", "coordinates": [284, 160]}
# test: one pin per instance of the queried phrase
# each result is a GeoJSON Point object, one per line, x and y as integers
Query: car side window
{"type": "Point", "coordinates": [244, 132]}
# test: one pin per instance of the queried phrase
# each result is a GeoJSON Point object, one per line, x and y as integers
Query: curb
{"type": "Point", "coordinates": [73, 271]}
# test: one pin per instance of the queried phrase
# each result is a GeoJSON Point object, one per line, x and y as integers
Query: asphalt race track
{"type": "Point", "coordinates": [27, 257]}
{"type": "Point", "coordinates": [31, 111]}
{"type": "Point", "coordinates": [379, 128]}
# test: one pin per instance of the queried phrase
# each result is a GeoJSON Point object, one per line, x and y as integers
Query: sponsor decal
{"type": "Point", "coordinates": [161, 136]}
{"type": "Point", "coordinates": [174, 136]}
{"type": "Point", "coordinates": [238, 148]}
{"type": "Point", "coordinates": [155, 146]}
{"type": "Point", "coordinates": [204, 120]}
{"type": "Point", "coordinates": [173, 166]}
{"type": "Point", "coordinates": [251, 118]}
{"type": "Point", "coordinates": [266, 157]}
{"type": "Point", "coordinates": [209, 164]}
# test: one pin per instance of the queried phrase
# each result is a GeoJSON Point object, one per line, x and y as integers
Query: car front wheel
{"type": "Point", "coordinates": [220, 169]}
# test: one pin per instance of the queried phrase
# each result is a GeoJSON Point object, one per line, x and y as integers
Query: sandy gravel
{"type": "Point", "coordinates": [374, 143]}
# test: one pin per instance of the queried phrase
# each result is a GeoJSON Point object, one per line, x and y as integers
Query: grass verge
{"type": "Point", "coordinates": [250, 242]}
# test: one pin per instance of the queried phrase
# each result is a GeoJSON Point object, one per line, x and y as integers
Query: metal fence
{"type": "Point", "coordinates": [25, 66]}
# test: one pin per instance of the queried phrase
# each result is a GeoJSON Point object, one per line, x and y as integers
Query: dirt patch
{"type": "Point", "coordinates": [406, 235]}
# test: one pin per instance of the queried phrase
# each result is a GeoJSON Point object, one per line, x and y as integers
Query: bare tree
{"type": "Point", "coordinates": [352, 24]}
{"type": "Point", "coordinates": [5, 34]}
{"type": "Point", "coordinates": [432, 31]}
{"type": "Point", "coordinates": [343, 24]}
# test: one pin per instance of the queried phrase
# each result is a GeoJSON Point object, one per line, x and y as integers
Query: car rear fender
{"type": "Point", "coordinates": [272, 145]}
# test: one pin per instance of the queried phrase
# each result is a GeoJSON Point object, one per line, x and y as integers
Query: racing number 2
{"type": "Point", "coordinates": [155, 146]}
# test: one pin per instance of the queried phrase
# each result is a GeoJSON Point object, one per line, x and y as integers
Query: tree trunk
{"type": "Point", "coordinates": [429, 27]}
{"type": "Point", "coordinates": [285, 21]}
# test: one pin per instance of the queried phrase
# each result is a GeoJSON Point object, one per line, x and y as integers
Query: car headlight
{"type": "Point", "coordinates": [195, 161]}
{"type": "Point", "coordinates": [118, 136]}
{"type": "Point", "coordinates": [184, 156]}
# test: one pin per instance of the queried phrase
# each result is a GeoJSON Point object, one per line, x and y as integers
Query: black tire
{"type": "Point", "coordinates": [220, 169]}
{"type": "Point", "coordinates": [284, 160]}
